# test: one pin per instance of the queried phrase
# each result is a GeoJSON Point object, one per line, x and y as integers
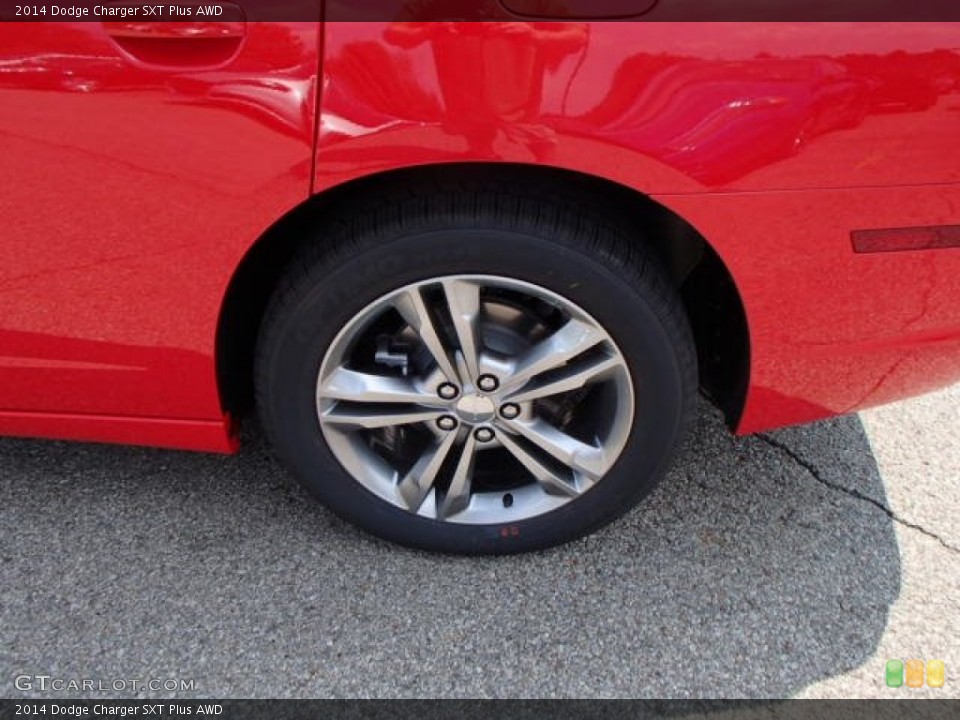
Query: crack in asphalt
{"type": "Point", "coordinates": [851, 492]}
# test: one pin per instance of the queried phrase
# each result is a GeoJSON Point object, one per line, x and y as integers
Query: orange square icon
{"type": "Point", "coordinates": [935, 673]}
{"type": "Point", "coordinates": [914, 673]}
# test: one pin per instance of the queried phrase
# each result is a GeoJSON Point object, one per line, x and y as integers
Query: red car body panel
{"type": "Point", "coordinates": [130, 193]}
{"type": "Point", "coordinates": [131, 190]}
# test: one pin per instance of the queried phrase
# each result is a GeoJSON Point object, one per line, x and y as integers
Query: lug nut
{"type": "Point", "coordinates": [483, 434]}
{"type": "Point", "coordinates": [447, 422]}
{"type": "Point", "coordinates": [510, 411]}
{"type": "Point", "coordinates": [448, 391]}
{"type": "Point", "coordinates": [488, 383]}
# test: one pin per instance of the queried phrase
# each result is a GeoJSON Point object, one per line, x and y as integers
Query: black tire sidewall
{"type": "Point", "coordinates": [628, 304]}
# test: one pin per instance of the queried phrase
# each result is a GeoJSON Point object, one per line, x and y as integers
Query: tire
{"type": "Point", "coordinates": [541, 265]}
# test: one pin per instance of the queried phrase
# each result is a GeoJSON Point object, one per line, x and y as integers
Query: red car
{"type": "Point", "coordinates": [471, 276]}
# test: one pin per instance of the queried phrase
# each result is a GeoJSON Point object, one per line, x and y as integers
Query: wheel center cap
{"type": "Point", "coordinates": [476, 408]}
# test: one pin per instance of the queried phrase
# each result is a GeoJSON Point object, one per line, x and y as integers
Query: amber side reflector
{"type": "Point", "coordinates": [936, 237]}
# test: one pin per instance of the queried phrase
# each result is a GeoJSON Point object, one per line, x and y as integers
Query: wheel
{"type": "Point", "coordinates": [476, 373]}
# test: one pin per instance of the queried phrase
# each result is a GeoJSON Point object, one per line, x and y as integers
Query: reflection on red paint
{"type": "Point", "coordinates": [774, 140]}
{"type": "Point", "coordinates": [132, 186]}
{"type": "Point", "coordinates": [129, 194]}
{"type": "Point", "coordinates": [901, 239]}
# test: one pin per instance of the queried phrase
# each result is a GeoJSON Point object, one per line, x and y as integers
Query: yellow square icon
{"type": "Point", "coordinates": [914, 673]}
{"type": "Point", "coordinates": [936, 672]}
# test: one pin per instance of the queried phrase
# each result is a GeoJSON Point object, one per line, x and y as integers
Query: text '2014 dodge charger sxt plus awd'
{"type": "Point", "coordinates": [472, 275]}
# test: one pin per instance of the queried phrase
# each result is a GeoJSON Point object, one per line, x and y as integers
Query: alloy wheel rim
{"type": "Point", "coordinates": [475, 399]}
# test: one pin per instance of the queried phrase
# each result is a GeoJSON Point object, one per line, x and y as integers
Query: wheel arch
{"type": "Point", "coordinates": [709, 293]}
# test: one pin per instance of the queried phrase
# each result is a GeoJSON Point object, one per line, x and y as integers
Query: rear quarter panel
{"type": "Point", "coordinates": [774, 140]}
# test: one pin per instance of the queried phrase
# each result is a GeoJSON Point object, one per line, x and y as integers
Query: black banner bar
{"type": "Point", "coordinates": [478, 10]}
{"type": "Point", "coordinates": [481, 709]}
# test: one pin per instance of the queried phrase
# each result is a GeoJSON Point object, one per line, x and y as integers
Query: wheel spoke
{"type": "Point", "coordinates": [419, 481]}
{"type": "Point", "coordinates": [377, 417]}
{"type": "Point", "coordinates": [550, 481]}
{"type": "Point", "coordinates": [490, 365]}
{"type": "Point", "coordinates": [414, 311]}
{"type": "Point", "coordinates": [579, 456]}
{"type": "Point", "coordinates": [457, 497]}
{"type": "Point", "coordinates": [570, 378]}
{"type": "Point", "coordinates": [463, 300]}
{"type": "Point", "coordinates": [571, 340]}
{"type": "Point", "coordinates": [357, 387]}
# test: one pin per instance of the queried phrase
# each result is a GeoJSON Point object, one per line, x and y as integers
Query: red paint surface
{"type": "Point", "coordinates": [129, 192]}
{"type": "Point", "coordinates": [133, 182]}
{"type": "Point", "coordinates": [774, 140]}
{"type": "Point", "coordinates": [203, 435]}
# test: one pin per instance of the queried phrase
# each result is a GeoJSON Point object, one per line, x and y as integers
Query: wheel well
{"type": "Point", "coordinates": [709, 294]}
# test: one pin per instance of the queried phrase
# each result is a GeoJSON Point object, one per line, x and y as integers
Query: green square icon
{"type": "Point", "coordinates": [894, 673]}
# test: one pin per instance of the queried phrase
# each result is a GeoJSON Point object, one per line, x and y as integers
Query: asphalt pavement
{"type": "Point", "coordinates": [794, 563]}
